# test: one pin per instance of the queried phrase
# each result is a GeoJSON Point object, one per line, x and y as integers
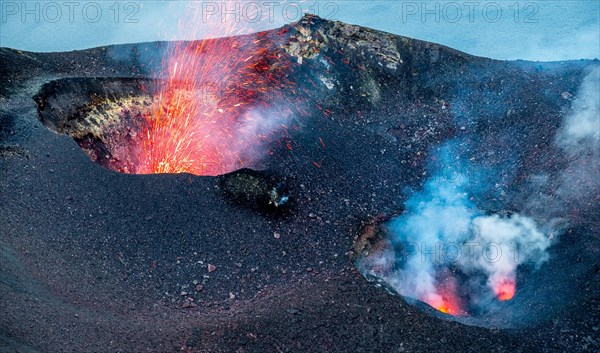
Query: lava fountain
{"type": "Point", "coordinates": [215, 108]}
{"type": "Point", "coordinates": [216, 104]}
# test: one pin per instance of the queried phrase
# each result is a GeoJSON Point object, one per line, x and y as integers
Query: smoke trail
{"type": "Point", "coordinates": [583, 126]}
{"type": "Point", "coordinates": [579, 138]}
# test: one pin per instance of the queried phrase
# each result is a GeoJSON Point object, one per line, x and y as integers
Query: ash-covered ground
{"type": "Point", "coordinates": [98, 261]}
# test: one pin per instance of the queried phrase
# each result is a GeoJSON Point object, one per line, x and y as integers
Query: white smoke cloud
{"type": "Point", "coordinates": [442, 214]}
{"type": "Point", "coordinates": [509, 242]}
{"type": "Point", "coordinates": [256, 130]}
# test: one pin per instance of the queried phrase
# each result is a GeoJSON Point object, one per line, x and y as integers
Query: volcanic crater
{"type": "Point", "coordinates": [158, 258]}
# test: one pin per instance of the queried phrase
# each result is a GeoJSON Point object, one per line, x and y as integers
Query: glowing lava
{"type": "Point", "coordinates": [445, 298]}
{"type": "Point", "coordinates": [444, 303]}
{"type": "Point", "coordinates": [214, 109]}
{"type": "Point", "coordinates": [505, 289]}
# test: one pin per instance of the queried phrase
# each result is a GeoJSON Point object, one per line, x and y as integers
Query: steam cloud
{"type": "Point", "coordinates": [444, 234]}
{"type": "Point", "coordinates": [448, 230]}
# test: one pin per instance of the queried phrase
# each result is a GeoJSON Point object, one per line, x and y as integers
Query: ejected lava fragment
{"type": "Point", "coordinates": [255, 189]}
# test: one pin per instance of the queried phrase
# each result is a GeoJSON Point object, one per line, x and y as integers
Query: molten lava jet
{"type": "Point", "coordinates": [505, 290]}
{"type": "Point", "coordinates": [445, 298]}
{"type": "Point", "coordinates": [215, 108]}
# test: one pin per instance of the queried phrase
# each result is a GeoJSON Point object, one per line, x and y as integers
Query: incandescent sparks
{"type": "Point", "coordinates": [204, 119]}
{"type": "Point", "coordinates": [215, 107]}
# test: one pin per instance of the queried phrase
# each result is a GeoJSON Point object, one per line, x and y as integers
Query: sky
{"type": "Point", "coordinates": [545, 30]}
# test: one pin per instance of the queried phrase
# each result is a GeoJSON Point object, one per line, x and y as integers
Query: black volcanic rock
{"type": "Point", "coordinates": [255, 189]}
{"type": "Point", "coordinates": [94, 260]}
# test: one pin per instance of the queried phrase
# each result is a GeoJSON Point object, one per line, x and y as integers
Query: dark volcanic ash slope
{"type": "Point", "coordinates": [94, 260]}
